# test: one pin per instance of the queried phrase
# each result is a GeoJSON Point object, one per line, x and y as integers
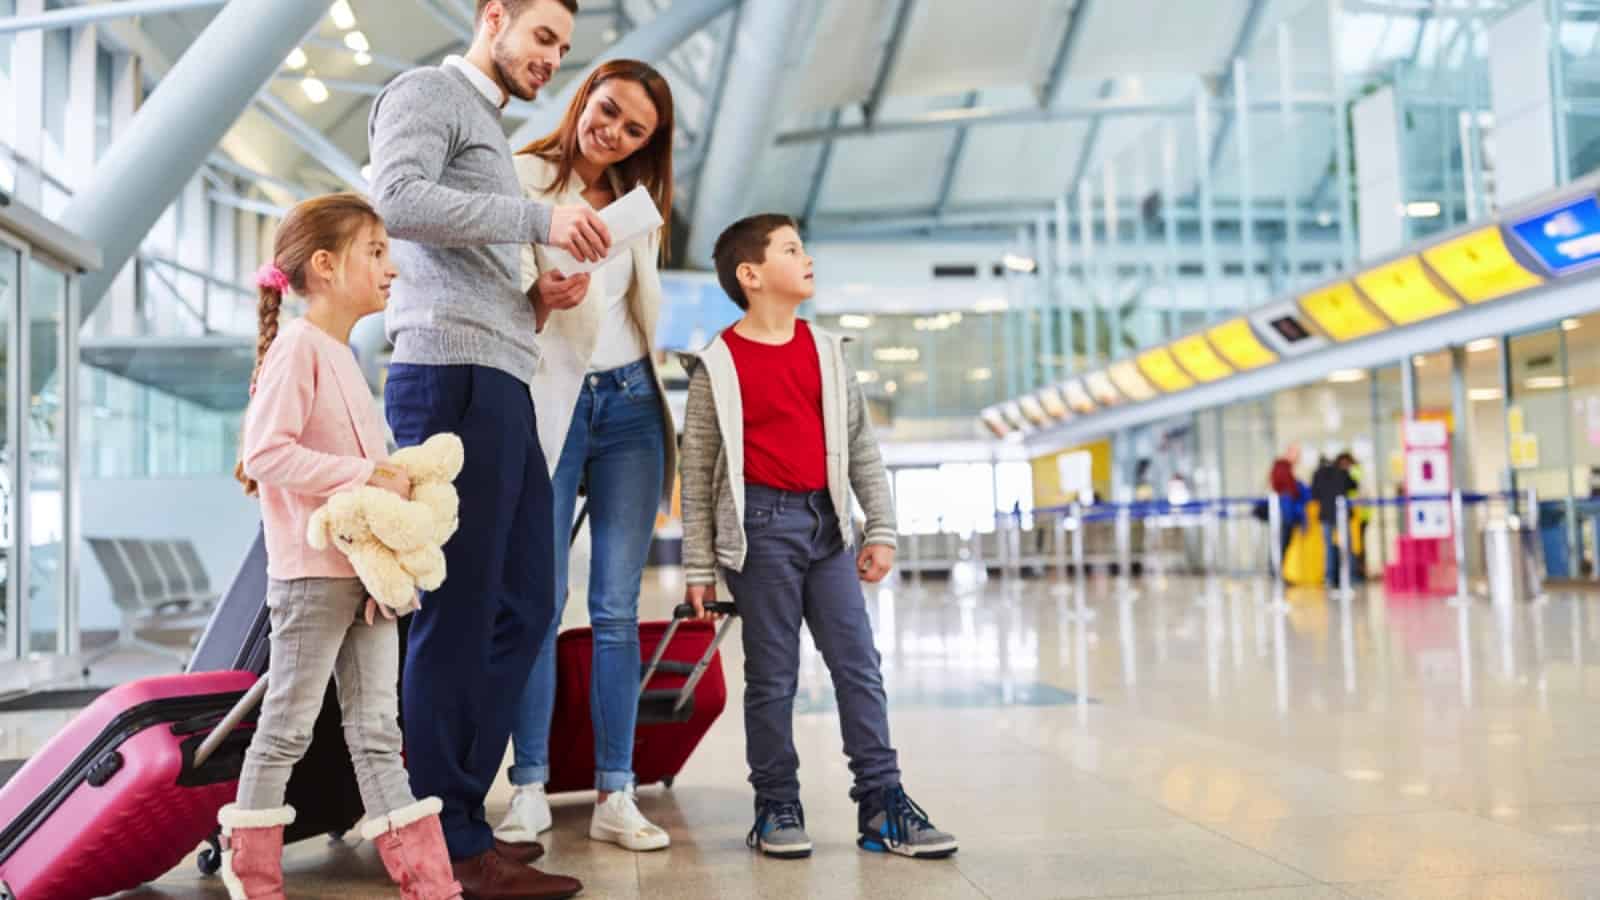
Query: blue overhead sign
{"type": "Point", "coordinates": [1565, 239]}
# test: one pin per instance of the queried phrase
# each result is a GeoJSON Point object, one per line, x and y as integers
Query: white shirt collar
{"type": "Point", "coordinates": [485, 85]}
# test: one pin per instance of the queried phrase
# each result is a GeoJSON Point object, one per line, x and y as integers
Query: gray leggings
{"type": "Point", "coordinates": [317, 632]}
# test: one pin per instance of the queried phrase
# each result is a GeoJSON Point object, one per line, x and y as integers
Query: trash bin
{"type": "Point", "coordinates": [1511, 561]}
{"type": "Point", "coordinates": [1553, 538]}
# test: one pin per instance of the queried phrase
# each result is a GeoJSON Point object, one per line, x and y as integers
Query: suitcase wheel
{"type": "Point", "coordinates": [209, 862]}
{"type": "Point", "coordinates": [667, 782]}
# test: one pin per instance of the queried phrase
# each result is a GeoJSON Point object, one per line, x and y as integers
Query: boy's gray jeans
{"type": "Point", "coordinates": [797, 567]}
{"type": "Point", "coordinates": [317, 634]}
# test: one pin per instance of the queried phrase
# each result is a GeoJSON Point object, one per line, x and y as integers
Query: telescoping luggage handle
{"type": "Point", "coordinates": [246, 704]}
{"type": "Point", "coordinates": [683, 612]}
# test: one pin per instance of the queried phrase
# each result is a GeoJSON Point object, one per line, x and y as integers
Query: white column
{"type": "Point", "coordinates": [27, 80]}
{"type": "Point", "coordinates": [81, 106]}
{"type": "Point", "coordinates": [120, 315]}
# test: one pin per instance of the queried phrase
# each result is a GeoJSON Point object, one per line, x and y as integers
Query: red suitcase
{"type": "Point", "coordinates": [682, 693]}
{"type": "Point", "coordinates": [116, 798]}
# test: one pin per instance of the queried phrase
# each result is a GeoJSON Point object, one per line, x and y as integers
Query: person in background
{"type": "Point", "coordinates": [1286, 487]}
{"type": "Point", "coordinates": [1331, 483]}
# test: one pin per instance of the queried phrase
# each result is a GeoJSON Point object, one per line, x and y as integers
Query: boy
{"type": "Point", "coordinates": [775, 437]}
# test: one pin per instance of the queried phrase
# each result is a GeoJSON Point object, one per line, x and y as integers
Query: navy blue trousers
{"type": "Point", "coordinates": [472, 646]}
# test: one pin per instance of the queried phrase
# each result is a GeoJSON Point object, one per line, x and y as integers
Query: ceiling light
{"type": "Point", "coordinates": [980, 374]}
{"type": "Point", "coordinates": [891, 387]}
{"type": "Point", "coordinates": [866, 376]}
{"type": "Point", "coordinates": [296, 59]}
{"type": "Point", "coordinates": [992, 305]}
{"type": "Point", "coordinates": [916, 377]}
{"type": "Point", "coordinates": [855, 321]}
{"type": "Point", "coordinates": [1346, 376]}
{"type": "Point", "coordinates": [1482, 345]}
{"type": "Point", "coordinates": [357, 41]}
{"type": "Point", "coordinates": [1484, 394]}
{"type": "Point", "coordinates": [1325, 218]}
{"type": "Point", "coordinates": [342, 15]}
{"type": "Point", "coordinates": [316, 91]}
{"type": "Point", "coordinates": [609, 35]}
{"type": "Point", "coordinates": [1546, 382]}
{"type": "Point", "coordinates": [897, 354]}
{"type": "Point", "coordinates": [1423, 209]}
{"type": "Point", "coordinates": [363, 59]}
{"type": "Point", "coordinates": [1571, 324]}
{"type": "Point", "coordinates": [1019, 263]}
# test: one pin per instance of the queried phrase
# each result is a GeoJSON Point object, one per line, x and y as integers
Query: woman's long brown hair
{"type": "Point", "coordinates": [650, 165]}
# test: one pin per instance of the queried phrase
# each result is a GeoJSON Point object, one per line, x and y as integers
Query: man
{"type": "Point", "coordinates": [1332, 482]}
{"type": "Point", "coordinates": [464, 351]}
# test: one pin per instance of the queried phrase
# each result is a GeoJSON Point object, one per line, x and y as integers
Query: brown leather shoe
{"type": "Point", "coordinates": [519, 852]}
{"type": "Point", "coordinates": [490, 876]}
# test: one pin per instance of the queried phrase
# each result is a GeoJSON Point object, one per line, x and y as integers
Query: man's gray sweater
{"type": "Point", "coordinates": [444, 183]}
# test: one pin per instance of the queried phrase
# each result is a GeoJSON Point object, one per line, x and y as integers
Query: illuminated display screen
{"type": "Point", "coordinates": [1078, 399]}
{"type": "Point", "coordinates": [1162, 370]}
{"type": "Point", "coordinates": [1238, 343]}
{"type": "Point", "coordinates": [1566, 239]}
{"type": "Point", "coordinates": [1405, 293]}
{"type": "Point", "coordinates": [1197, 357]}
{"type": "Point", "coordinates": [1055, 406]}
{"type": "Point", "coordinates": [1339, 312]}
{"type": "Point", "coordinates": [1101, 389]}
{"type": "Point", "coordinates": [1125, 375]}
{"type": "Point", "coordinates": [1479, 266]}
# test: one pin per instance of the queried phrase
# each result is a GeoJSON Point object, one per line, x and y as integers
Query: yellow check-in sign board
{"type": "Point", "coordinates": [1480, 267]}
{"type": "Point", "coordinates": [1405, 293]}
{"type": "Point", "coordinates": [1239, 344]}
{"type": "Point", "coordinates": [1199, 360]}
{"type": "Point", "coordinates": [1163, 371]}
{"type": "Point", "coordinates": [1339, 312]}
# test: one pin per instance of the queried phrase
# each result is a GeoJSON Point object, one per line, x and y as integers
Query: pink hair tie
{"type": "Point", "coordinates": [272, 278]}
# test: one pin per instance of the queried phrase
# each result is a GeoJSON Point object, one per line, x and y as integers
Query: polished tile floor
{"type": "Point", "coordinates": [1180, 738]}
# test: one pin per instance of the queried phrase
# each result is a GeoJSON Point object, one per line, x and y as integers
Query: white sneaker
{"type": "Point", "coordinates": [619, 821]}
{"type": "Point", "coordinates": [528, 817]}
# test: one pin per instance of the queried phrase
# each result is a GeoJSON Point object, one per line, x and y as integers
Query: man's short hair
{"type": "Point", "coordinates": [514, 8]}
{"type": "Point", "coordinates": [745, 241]}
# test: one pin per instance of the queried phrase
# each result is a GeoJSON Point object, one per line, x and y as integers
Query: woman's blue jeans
{"type": "Point", "coordinates": [615, 447]}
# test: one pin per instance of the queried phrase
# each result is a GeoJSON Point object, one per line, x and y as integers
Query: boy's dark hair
{"type": "Point", "coordinates": [514, 8]}
{"type": "Point", "coordinates": [745, 241]}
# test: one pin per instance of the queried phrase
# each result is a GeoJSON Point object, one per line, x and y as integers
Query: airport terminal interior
{"type": "Point", "coordinates": [1235, 365]}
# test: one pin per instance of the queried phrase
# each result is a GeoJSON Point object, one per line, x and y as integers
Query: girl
{"type": "Point", "coordinates": [603, 421]}
{"type": "Point", "coordinates": [311, 431]}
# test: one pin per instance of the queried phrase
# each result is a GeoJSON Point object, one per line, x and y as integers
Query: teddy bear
{"type": "Point", "coordinates": [432, 467]}
{"type": "Point", "coordinates": [376, 530]}
{"type": "Point", "coordinates": [396, 545]}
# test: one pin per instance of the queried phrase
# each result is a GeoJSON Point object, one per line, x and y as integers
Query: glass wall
{"type": "Point", "coordinates": [46, 471]}
{"type": "Point", "coordinates": [131, 430]}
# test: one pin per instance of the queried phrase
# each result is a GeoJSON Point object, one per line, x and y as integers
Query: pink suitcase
{"type": "Point", "coordinates": [115, 800]}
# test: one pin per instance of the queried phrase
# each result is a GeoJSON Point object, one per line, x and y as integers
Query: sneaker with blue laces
{"type": "Point", "coordinates": [780, 830]}
{"type": "Point", "coordinates": [892, 822]}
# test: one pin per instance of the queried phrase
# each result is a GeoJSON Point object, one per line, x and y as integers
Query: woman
{"type": "Point", "coordinates": [603, 423]}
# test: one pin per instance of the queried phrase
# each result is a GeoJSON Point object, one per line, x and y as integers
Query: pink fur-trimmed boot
{"type": "Point", "coordinates": [252, 851]}
{"type": "Point", "coordinates": [411, 843]}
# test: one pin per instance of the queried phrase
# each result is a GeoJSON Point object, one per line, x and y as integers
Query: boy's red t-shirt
{"type": "Point", "coordinates": [781, 384]}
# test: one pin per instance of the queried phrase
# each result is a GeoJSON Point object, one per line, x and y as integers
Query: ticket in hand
{"type": "Point", "coordinates": [631, 218]}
